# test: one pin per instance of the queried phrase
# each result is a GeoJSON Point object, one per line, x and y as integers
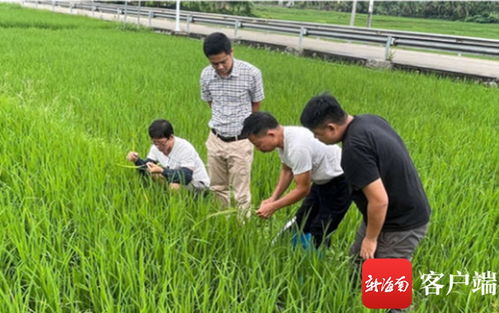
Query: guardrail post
{"type": "Point", "coordinates": [237, 24]}
{"type": "Point", "coordinates": [93, 10]}
{"type": "Point", "coordinates": [126, 10]}
{"type": "Point", "coordinates": [354, 10]}
{"type": "Point", "coordinates": [149, 17]}
{"type": "Point", "coordinates": [53, 5]}
{"type": "Point", "coordinates": [177, 16]}
{"type": "Point", "coordinates": [71, 8]}
{"type": "Point", "coordinates": [188, 23]}
{"type": "Point", "coordinates": [138, 16]}
{"type": "Point", "coordinates": [303, 32]}
{"type": "Point", "coordinates": [370, 11]}
{"type": "Point", "coordinates": [389, 43]}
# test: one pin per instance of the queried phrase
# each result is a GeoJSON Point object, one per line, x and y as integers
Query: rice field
{"type": "Point", "coordinates": [80, 233]}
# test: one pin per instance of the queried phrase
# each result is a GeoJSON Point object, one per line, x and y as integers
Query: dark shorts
{"type": "Point", "coordinates": [391, 244]}
{"type": "Point", "coordinates": [323, 208]}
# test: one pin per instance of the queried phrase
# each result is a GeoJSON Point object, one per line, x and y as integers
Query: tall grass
{"type": "Point", "coordinates": [80, 233]}
{"type": "Point", "coordinates": [428, 25]}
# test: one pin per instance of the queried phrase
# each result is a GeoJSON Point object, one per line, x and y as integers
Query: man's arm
{"type": "Point", "coordinates": [302, 188]}
{"type": "Point", "coordinates": [256, 91]}
{"type": "Point", "coordinates": [285, 179]}
{"type": "Point", "coordinates": [377, 206]}
{"type": "Point", "coordinates": [205, 90]}
{"type": "Point", "coordinates": [182, 175]}
{"type": "Point", "coordinates": [141, 164]}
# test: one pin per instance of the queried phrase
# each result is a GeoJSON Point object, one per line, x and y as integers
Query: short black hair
{"type": "Point", "coordinates": [216, 43]}
{"type": "Point", "coordinates": [258, 123]}
{"type": "Point", "coordinates": [160, 129]}
{"type": "Point", "coordinates": [321, 109]}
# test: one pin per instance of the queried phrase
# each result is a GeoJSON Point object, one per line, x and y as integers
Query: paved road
{"type": "Point", "coordinates": [487, 70]}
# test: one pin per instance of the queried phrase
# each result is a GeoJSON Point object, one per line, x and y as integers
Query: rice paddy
{"type": "Point", "coordinates": [79, 232]}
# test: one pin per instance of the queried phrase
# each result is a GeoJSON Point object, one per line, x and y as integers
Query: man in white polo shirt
{"type": "Point", "coordinates": [233, 89]}
{"type": "Point", "coordinates": [315, 168]}
{"type": "Point", "coordinates": [172, 158]}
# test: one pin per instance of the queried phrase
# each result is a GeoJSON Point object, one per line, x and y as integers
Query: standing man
{"type": "Point", "coordinates": [385, 184]}
{"type": "Point", "coordinates": [315, 168]}
{"type": "Point", "coordinates": [233, 89]}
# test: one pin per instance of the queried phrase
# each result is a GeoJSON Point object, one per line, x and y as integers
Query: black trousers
{"type": "Point", "coordinates": [323, 209]}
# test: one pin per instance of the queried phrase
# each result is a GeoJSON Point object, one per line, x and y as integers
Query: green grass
{"type": "Point", "coordinates": [380, 21]}
{"type": "Point", "coordinates": [79, 233]}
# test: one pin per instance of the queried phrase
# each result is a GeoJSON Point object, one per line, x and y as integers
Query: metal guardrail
{"type": "Point", "coordinates": [388, 38]}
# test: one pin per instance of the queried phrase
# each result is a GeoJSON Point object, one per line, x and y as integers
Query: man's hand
{"type": "Point", "coordinates": [267, 201]}
{"type": "Point", "coordinates": [269, 206]}
{"type": "Point", "coordinates": [368, 248]}
{"type": "Point", "coordinates": [266, 209]}
{"type": "Point", "coordinates": [132, 156]}
{"type": "Point", "coordinates": [154, 168]}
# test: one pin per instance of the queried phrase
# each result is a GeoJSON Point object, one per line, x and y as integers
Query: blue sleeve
{"type": "Point", "coordinates": [142, 167]}
{"type": "Point", "coordinates": [181, 176]}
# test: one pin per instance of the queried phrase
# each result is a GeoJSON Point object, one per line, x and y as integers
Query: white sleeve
{"type": "Point", "coordinates": [301, 160]}
{"type": "Point", "coordinates": [188, 156]}
{"type": "Point", "coordinates": [153, 154]}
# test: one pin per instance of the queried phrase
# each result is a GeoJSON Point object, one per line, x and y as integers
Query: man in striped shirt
{"type": "Point", "coordinates": [233, 90]}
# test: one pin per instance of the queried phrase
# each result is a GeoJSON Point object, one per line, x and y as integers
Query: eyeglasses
{"type": "Point", "coordinates": [160, 142]}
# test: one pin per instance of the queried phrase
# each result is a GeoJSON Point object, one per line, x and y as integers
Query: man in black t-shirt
{"type": "Point", "coordinates": [384, 182]}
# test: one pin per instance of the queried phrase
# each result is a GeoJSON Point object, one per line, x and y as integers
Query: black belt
{"type": "Point", "coordinates": [228, 139]}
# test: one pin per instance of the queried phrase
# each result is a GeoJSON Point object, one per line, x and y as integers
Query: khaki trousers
{"type": "Point", "coordinates": [229, 167]}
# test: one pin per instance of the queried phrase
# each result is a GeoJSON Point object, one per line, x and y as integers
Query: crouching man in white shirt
{"type": "Point", "coordinates": [315, 168]}
{"type": "Point", "coordinates": [172, 159]}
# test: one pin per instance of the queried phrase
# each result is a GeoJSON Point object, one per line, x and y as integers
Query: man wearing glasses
{"type": "Point", "coordinates": [172, 159]}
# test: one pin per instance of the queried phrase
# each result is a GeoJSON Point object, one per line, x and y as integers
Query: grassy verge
{"type": "Point", "coordinates": [380, 21]}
